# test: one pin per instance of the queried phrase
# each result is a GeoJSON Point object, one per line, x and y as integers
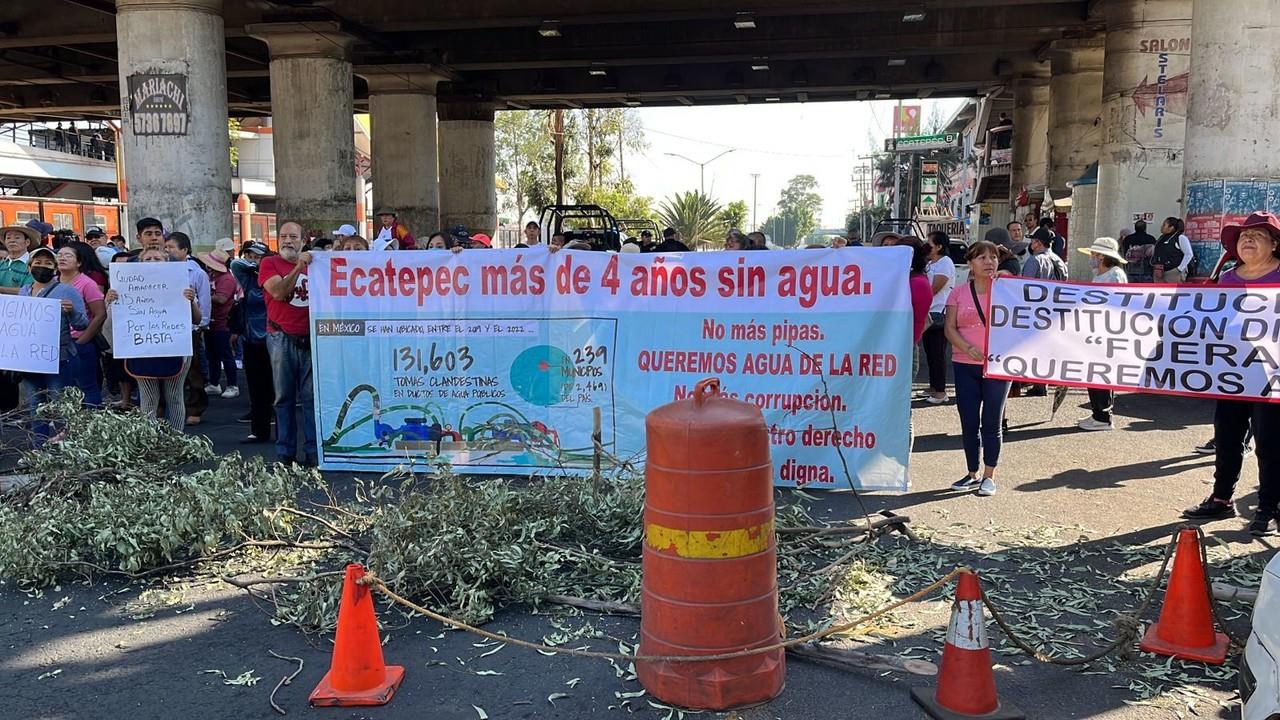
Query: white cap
{"type": "Point", "coordinates": [347, 230]}
{"type": "Point", "coordinates": [225, 245]}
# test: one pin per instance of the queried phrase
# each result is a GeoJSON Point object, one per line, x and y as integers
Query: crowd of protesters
{"type": "Point", "coordinates": [251, 321]}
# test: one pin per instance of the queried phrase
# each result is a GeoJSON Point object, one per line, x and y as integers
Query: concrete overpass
{"type": "Point", "coordinates": [433, 73]}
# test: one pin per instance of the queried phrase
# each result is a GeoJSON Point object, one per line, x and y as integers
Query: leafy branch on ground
{"type": "Point", "coordinates": [121, 494]}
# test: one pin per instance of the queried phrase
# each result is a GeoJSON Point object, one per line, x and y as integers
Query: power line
{"type": "Point", "coordinates": [845, 156]}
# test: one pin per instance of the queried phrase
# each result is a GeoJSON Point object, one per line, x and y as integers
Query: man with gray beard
{"type": "Point", "coordinates": [283, 279]}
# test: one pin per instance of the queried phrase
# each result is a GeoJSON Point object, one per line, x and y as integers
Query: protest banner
{"type": "Point", "coordinates": [494, 360]}
{"type": "Point", "coordinates": [1201, 340]}
{"type": "Point", "coordinates": [30, 334]}
{"type": "Point", "coordinates": [151, 318]}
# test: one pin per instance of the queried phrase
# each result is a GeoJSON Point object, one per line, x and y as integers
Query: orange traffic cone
{"type": "Point", "coordinates": [966, 686]}
{"type": "Point", "coordinates": [357, 675]}
{"type": "Point", "coordinates": [1185, 628]}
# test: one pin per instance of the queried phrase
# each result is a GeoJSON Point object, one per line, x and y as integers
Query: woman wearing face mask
{"type": "Point", "coordinates": [161, 376]}
{"type": "Point", "coordinates": [1105, 259]}
{"type": "Point", "coordinates": [979, 399]}
{"type": "Point", "coordinates": [1256, 243]}
{"type": "Point", "coordinates": [71, 259]}
{"type": "Point", "coordinates": [45, 283]}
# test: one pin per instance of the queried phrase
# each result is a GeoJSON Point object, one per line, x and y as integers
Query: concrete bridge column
{"type": "Point", "coordinates": [312, 123]}
{"type": "Point", "coordinates": [1075, 103]}
{"type": "Point", "coordinates": [1144, 106]}
{"type": "Point", "coordinates": [1232, 162]}
{"type": "Point", "coordinates": [402, 105]}
{"type": "Point", "coordinates": [468, 167]}
{"type": "Point", "coordinates": [1030, 140]}
{"type": "Point", "coordinates": [173, 111]}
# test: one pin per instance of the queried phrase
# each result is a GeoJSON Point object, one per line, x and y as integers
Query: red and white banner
{"type": "Point", "coordinates": [1209, 341]}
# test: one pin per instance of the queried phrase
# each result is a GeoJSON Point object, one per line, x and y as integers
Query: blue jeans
{"type": "Point", "coordinates": [980, 401]}
{"type": "Point", "coordinates": [291, 375]}
{"type": "Point", "coordinates": [86, 361]}
{"type": "Point", "coordinates": [40, 389]}
{"type": "Point", "coordinates": [218, 344]}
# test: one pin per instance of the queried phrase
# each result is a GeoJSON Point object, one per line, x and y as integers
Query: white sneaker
{"type": "Point", "coordinates": [987, 488]}
{"type": "Point", "coordinates": [213, 389]}
{"type": "Point", "coordinates": [936, 399]}
{"type": "Point", "coordinates": [231, 392]}
{"type": "Point", "coordinates": [1093, 425]}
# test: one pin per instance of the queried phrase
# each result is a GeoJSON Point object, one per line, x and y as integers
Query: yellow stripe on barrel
{"type": "Point", "coordinates": [709, 544]}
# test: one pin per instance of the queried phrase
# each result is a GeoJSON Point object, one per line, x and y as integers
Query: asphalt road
{"type": "Point", "coordinates": [143, 653]}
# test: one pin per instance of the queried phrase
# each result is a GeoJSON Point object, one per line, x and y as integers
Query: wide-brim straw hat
{"type": "Point", "coordinates": [1107, 247]}
{"type": "Point", "coordinates": [33, 237]}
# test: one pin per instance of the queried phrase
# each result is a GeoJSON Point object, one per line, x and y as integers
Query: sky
{"type": "Point", "coordinates": [778, 141]}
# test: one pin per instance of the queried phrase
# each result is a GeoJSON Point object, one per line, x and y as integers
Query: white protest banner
{"type": "Point", "coordinates": [151, 318]}
{"type": "Point", "coordinates": [30, 334]}
{"type": "Point", "coordinates": [1201, 340]}
{"type": "Point", "coordinates": [495, 360]}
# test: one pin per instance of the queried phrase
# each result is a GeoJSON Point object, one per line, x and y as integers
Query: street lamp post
{"type": "Point", "coordinates": [702, 167]}
{"type": "Point", "coordinates": [755, 178]}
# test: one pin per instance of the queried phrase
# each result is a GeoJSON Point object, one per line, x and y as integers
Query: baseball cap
{"type": "Point", "coordinates": [347, 230]}
{"type": "Point", "coordinates": [43, 228]}
{"type": "Point", "coordinates": [105, 253]}
{"type": "Point", "coordinates": [482, 239]}
{"type": "Point", "coordinates": [94, 231]}
{"type": "Point", "coordinates": [43, 249]}
{"type": "Point", "coordinates": [254, 247]}
{"type": "Point", "coordinates": [460, 232]}
{"type": "Point", "coordinates": [226, 245]}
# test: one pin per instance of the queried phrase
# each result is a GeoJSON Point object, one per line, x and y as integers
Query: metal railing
{"type": "Point", "coordinates": [95, 141]}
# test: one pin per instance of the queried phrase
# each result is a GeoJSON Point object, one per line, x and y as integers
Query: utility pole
{"type": "Point", "coordinates": [897, 174]}
{"type": "Point", "coordinates": [755, 179]}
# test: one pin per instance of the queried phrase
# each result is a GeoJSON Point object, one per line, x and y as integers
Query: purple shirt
{"type": "Point", "coordinates": [1231, 278]}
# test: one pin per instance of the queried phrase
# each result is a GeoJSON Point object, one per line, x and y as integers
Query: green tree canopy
{"type": "Point", "coordinates": [734, 216]}
{"type": "Point", "coordinates": [800, 204]}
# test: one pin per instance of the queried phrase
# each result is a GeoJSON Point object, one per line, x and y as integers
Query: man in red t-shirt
{"type": "Point", "coordinates": [283, 279]}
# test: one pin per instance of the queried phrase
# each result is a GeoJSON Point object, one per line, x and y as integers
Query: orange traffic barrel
{"type": "Point", "coordinates": [710, 557]}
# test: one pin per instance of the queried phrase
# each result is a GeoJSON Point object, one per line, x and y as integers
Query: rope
{"type": "Point", "coordinates": [1208, 584]}
{"type": "Point", "coordinates": [1126, 625]}
{"type": "Point", "coordinates": [376, 583]}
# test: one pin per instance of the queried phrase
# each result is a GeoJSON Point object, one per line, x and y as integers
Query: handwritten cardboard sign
{"type": "Point", "coordinates": [30, 334]}
{"type": "Point", "coordinates": [151, 318]}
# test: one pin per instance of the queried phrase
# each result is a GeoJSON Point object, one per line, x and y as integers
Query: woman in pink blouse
{"type": "Point", "coordinates": [980, 400]}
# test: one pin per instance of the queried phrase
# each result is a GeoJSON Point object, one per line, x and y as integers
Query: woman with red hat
{"type": "Point", "coordinates": [1255, 243]}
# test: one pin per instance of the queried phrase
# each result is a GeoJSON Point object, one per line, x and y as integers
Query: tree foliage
{"type": "Point", "coordinates": [621, 200]}
{"type": "Point", "coordinates": [596, 142]}
{"type": "Point", "coordinates": [734, 216]}
{"type": "Point", "coordinates": [799, 206]}
{"type": "Point", "coordinates": [696, 215]}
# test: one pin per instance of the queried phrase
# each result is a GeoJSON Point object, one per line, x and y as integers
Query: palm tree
{"type": "Point", "coordinates": [695, 215]}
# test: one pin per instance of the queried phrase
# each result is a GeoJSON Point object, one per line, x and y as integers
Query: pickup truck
{"type": "Point", "coordinates": [1260, 664]}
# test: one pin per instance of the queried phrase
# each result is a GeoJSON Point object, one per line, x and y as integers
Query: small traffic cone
{"type": "Point", "coordinates": [357, 675]}
{"type": "Point", "coordinates": [966, 686]}
{"type": "Point", "coordinates": [1185, 629]}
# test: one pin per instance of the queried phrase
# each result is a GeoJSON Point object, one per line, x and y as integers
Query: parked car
{"type": "Point", "coordinates": [1260, 663]}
